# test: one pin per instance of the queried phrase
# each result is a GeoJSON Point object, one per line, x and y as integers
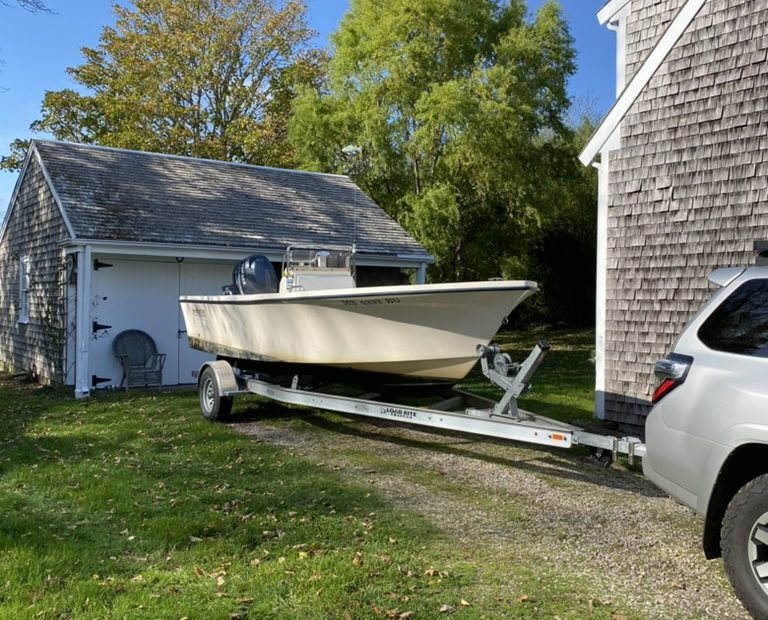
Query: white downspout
{"type": "Point", "coordinates": [82, 323]}
{"type": "Point", "coordinates": [601, 282]}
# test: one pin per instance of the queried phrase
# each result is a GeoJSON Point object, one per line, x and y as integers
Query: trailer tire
{"type": "Point", "coordinates": [601, 457]}
{"type": "Point", "coordinates": [744, 539]}
{"type": "Point", "coordinates": [213, 406]}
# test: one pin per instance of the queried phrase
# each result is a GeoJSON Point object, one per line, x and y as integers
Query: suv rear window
{"type": "Point", "coordinates": [740, 323]}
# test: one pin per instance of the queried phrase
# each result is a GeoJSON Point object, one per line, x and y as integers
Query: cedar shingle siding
{"type": "Point", "coordinates": [34, 228]}
{"type": "Point", "coordinates": [688, 187]}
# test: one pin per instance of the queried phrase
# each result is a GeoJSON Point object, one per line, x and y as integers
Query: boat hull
{"type": "Point", "coordinates": [423, 332]}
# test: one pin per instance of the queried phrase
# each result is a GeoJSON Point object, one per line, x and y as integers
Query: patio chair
{"type": "Point", "coordinates": [137, 353]}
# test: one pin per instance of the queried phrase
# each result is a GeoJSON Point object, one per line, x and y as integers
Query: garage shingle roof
{"type": "Point", "coordinates": [122, 195]}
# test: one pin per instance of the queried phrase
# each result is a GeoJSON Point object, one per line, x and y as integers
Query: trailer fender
{"type": "Point", "coordinates": [226, 382]}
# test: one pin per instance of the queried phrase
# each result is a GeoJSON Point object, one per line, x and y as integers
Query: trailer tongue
{"type": "Point", "coordinates": [219, 381]}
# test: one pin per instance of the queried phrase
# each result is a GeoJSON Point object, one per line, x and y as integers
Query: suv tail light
{"type": "Point", "coordinates": [672, 371]}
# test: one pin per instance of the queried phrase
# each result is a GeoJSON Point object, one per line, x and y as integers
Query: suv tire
{"type": "Point", "coordinates": [744, 537]}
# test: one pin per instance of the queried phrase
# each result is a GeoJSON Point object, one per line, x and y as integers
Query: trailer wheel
{"type": "Point", "coordinates": [601, 457]}
{"type": "Point", "coordinates": [213, 406]}
{"type": "Point", "coordinates": [745, 546]}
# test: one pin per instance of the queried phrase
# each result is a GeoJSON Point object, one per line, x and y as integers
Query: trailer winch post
{"type": "Point", "coordinates": [514, 379]}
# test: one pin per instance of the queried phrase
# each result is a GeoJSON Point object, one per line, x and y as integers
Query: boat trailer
{"type": "Point", "coordinates": [219, 382]}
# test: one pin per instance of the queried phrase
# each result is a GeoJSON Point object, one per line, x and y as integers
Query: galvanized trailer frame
{"type": "Point", "coordinates": [219, 382]}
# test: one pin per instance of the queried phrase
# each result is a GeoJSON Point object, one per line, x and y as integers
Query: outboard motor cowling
{"type": "Point", "coordinates": [254, 275]}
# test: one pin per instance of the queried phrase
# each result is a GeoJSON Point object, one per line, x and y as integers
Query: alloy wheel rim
{"type": "Point", "coordinates": [758, 551]}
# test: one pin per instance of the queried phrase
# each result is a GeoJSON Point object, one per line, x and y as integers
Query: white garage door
{"type": "Point", "coordinates": [135, 294]}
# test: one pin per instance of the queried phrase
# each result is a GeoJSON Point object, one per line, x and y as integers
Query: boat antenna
{"type": "Point", "coordinates": [352, 154]}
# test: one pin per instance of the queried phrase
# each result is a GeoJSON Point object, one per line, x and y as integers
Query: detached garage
{"type": "Point", "coordinates": [97, 241]}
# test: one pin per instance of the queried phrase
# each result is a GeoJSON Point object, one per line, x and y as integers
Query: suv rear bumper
{"type": "Point", "coordinates": [676, 491]}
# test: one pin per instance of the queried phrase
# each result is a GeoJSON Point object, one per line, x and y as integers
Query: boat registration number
{"type": "Point", "coordinates": [374, 301]}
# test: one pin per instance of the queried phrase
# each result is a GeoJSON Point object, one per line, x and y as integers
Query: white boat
{"type": "Point", "coordinates": [427, 332]}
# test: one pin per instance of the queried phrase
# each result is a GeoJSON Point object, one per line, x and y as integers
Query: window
{"type": "Point", "coordinates": [24, 289]}
{"type": "Point", "coordinates": [740, 323]}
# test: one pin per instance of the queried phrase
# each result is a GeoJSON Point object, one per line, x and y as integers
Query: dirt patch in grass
{"type": "Point", "coordinates": [526, 521]}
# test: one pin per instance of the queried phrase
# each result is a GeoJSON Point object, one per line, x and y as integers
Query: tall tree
{"type": "Point", "coordinates": [33, 6]}
{"type": "Point", "coordinates": [563, 258]}
{"type": "Point", "coordinates": [458, 108]}
{"type": "Point", "coordinates": [206, 78]}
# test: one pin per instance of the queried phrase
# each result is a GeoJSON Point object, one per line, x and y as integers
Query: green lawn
{"type": "Point", "coordinates": [132, 506]}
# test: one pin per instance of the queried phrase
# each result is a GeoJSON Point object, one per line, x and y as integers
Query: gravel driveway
{"type": "Point", "coordinates": [610, 526]}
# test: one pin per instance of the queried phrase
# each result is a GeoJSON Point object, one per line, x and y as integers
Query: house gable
{"type": "Point", "coordinates": [33, 229]}
{"type": "Point", "coordinates": [646, 51]}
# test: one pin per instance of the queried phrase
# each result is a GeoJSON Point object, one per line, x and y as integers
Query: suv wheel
{"type": "Point", "coordinates": [745, 545]}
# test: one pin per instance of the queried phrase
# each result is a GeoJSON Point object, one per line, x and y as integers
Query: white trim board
{"type": "Point", "coordinates": [640, 80]}
{"type": "Point", "coordinates": [610, 9]}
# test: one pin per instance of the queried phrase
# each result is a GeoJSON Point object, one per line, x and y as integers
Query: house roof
{"type": "Point", "coordinates": [132, 196]}
{"type": "Point", "coordinates": [640, 80]}
{"type": "Point", "coordinates": [609, 9]}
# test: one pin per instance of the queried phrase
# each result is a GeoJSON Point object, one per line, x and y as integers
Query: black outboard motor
{"type": "Point", "coordinates": [251, 276]}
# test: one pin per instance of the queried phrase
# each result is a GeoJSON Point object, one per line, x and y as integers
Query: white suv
{"type": "Point", "coordinates": [707, 433]}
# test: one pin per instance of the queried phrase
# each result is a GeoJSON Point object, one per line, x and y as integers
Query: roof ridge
{"type": "Point", "coordinates": [123, 195]}
{"type": "Point", "coordinates": [218, 162]}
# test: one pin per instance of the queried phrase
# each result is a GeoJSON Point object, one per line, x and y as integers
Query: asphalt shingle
{"type": "Point", "coordinates": [123, 195]}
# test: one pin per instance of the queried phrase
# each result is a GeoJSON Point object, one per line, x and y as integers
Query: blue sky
{"type": "Point", "coordinates": [36, 50]}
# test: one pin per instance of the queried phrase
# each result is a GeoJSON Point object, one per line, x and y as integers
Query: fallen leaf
{"type": "Point", "coordinates": [445, 609]}
{"type": "Point", "coordinates": [464, 603]}
{"type": "Point", "coordinates": [678, 586]}
{"type": "Point", "coordinates": [522, 598]}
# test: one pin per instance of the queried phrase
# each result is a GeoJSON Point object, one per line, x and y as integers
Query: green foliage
{"type": "Point", "coordinates": [458, 107]}
{"type": "Point", "coordinates": [206, 78]}
{"type": "Point", "coordinates": [563, 257]}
